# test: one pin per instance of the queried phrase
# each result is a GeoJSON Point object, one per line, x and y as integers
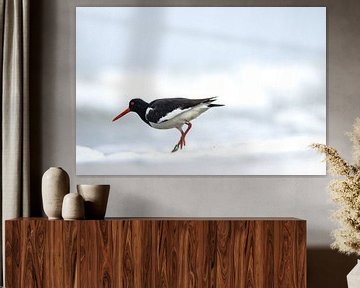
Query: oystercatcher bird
{"type": "Point", "coordinates": [170, 113]}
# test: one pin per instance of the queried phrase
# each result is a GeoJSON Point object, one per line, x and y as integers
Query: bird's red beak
{"type": "Point", "coordinates": [121, 114]}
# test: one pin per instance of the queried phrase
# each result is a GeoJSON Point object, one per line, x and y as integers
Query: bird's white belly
{"type": "Point", "coordinates": [181, 119]}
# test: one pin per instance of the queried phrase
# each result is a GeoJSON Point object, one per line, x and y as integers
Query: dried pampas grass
{"type": "Point", "coordinates": [345, 191]}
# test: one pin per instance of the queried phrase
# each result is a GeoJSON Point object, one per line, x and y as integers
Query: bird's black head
{"type": "Point", "coordinates": [135, 105]}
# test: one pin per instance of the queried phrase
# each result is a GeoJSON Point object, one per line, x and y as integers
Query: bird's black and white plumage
{"type": "Point", "coordinates": [170, 113]}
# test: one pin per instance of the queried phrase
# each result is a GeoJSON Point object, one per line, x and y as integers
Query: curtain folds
{"type": "Point", "coordinates": [15, 166]}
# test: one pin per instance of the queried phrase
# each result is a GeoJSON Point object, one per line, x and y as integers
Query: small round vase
{"type": "Point", "coordinates": [73, 207]}
{"type": "Point", "coordinates": [96, 198]}
{"type": "Point", "coordinates": [55, 185]}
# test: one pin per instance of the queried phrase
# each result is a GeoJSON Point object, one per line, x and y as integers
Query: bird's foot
{"type": "Point", "coordinates": [180, 144]}
{"type": "Point", "coordinates": [176, 148]}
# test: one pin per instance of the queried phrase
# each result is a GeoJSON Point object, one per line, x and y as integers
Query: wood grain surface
{"type": "Point", "coordinates": [159, 252]}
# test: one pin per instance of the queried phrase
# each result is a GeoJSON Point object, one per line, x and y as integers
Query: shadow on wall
{"type": "Point", "coordinates": [35, 105]}
{"type": "Point", "coordinates": [328, 268]}
{"type": "Point", "coordinates": [139, 207]}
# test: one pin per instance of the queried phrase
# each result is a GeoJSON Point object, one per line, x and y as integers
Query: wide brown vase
{"type": "Point", "coordinates": [96, 198]}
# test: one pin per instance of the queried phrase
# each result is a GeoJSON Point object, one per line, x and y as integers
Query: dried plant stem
{"type": "Point", "coordinates": [355, 139]}
{"type": "Point", "coordinates": [338, 166]}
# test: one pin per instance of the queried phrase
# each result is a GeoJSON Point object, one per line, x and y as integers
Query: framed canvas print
{"type": "Point", "coordinates": [200, 90]}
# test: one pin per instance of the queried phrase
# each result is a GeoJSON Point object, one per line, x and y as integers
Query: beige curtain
{"type": "Point", "coordinates": [14, 27]}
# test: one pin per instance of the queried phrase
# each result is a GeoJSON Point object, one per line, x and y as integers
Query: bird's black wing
{"type": "Point", "coordinates": [161, 107]}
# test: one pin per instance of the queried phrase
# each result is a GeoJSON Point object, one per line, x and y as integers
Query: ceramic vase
{"type": "Point", "coordinates": [55, 185]}
{"type": "Point", "coordinates": [73, 207]}
{"type": "Point", "coordinates": [96, 198]}
{"type": "Point", "coordinates": [353, 278]}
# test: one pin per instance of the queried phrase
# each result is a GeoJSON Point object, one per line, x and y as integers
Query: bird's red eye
{"type": "Point", "coordinates": [132, 103]}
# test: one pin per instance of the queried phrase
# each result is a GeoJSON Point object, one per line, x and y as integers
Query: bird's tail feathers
{"type": "Point", "coordinates": [215, 105]}
{"type": "Point", "coordinates": [212, 99]}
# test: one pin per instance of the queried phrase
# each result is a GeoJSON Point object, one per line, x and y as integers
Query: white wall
{"type": "Point", "coordinates": [53, 128]}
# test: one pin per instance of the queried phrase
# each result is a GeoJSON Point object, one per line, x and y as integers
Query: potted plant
{"type": "Point", "coordinates": [345, 192]}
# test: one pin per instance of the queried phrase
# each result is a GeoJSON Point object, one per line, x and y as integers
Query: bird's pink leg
{"type": "Point", "coordinates": [181, 142]}
{"type": "Point", "coordinates": [186, 131]}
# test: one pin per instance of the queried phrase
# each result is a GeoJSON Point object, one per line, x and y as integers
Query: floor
{"type": "Point", "coordinates": [328, 268]}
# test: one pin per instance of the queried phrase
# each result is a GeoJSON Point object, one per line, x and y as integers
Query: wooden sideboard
{"type": "Point", "coordinates": [156, 252]}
